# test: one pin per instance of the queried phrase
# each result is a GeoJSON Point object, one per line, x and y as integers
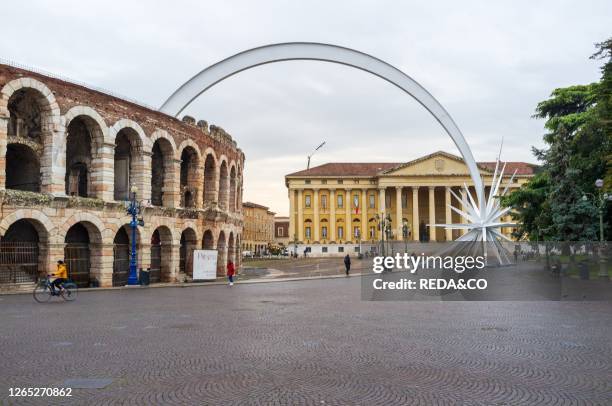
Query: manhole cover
{"type": "Point", "coordinates": [87, 383]}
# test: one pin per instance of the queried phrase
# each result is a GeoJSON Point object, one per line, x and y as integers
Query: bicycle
{"type": "Point", "coordinates": [43, 291]}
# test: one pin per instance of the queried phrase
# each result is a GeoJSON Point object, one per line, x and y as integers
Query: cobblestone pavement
{"type": "Point", "coordinates": [305, 342]}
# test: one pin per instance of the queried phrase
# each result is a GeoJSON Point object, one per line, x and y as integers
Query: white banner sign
{"type": "Point", "coordinates": [204, 264]}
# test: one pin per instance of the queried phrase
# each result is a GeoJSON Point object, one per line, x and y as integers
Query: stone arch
{"type": "Point", "coordinates": [190, 174]}
{"type": "Point", "coordinates": [94, 225]}
{"type": "Point", "coordinates": [159, 133]}
{"type": "Point", "coordinates": [83, 250]}
{"type": "Point", "coordinates": [24, 251]}
{"type": "Point", "coordinates": [17, 84]}
{"type": "Point", "coordinates": [188, 242]}
{"type": "Point", "coordinates": [86, 111]}
{"type": "Point", "coordinates": [128, 163]}
{"type": "Point", "coordinates": [167, 223]}
{"type": "Point", "coordinates": [162, 171]}
{"type": "Point", "coordinates": [131, 164]}
{"type": "Point", "coordinates": [188, 143]}
{"type": "Point", "coordinates": [208, 240]}
{"type": "Point", "coordinates": [223, 184]}
{"type": "Point", "coordinates": [251, 58]}
{"type": "Point", "coordinates": [122, 253]}
{"type": "Point", "coordinates": [85, 149]}
{"type": "Point", "coordinates": [31, 115]}
{"type": "Point", "coordinates": [124, 123]}
{"type": "Point", "coordinates": [44, 226]}
{"type": "Point", "coordinates": [210, 178]}
{"type": "Point", "coordinates": [161, 262]}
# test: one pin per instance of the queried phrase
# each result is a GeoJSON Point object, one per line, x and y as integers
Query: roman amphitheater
{"type": "Point", "coordinates": [70, 158]}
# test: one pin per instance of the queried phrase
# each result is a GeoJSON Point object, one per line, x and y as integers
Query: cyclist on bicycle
{"type": "Point", "coordinates": [60, 276]}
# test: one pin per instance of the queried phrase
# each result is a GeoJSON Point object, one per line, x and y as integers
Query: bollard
{"type": "Point", "coordinates": [584, 270]}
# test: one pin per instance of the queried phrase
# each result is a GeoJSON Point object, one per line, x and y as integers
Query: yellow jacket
{"type": "Point", "coordinates": [61, 272]}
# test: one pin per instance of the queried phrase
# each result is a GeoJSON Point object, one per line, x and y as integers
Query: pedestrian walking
{"type": "Point", "coordinates": [231, 271]}
{"type": "Point", "coordinates": [347, 264]}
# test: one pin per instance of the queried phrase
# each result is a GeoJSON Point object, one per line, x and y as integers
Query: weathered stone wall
{"type": "Point", "coordinates": [64, 124]}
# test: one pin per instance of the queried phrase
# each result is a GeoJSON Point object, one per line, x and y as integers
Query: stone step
{"type": "Point", "coordinates": [17, 287]}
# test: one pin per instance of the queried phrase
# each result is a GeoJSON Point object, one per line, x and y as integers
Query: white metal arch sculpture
{"type": "Point", "coordinates": [289, 51]}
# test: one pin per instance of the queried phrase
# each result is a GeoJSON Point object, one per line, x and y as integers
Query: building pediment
{"type": "Point", "coordinates": [439, 164]}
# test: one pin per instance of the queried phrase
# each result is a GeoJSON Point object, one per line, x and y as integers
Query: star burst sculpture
{"type": "Point", "coordinates": [484, 218]}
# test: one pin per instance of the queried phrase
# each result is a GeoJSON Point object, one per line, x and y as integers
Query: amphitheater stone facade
{"type": "Point", "coordinates": [71, 156]}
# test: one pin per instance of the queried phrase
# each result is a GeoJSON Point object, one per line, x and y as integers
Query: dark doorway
{"type": "Point", "coordinates": [121, 258]}
{"type": "Point", "coordinates": [77, 255]}
{"type": "Point", "coordinates": [19, 253]}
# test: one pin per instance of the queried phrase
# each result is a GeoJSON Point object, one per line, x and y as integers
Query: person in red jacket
{"type": "Point", "coordinates": [231, 271]}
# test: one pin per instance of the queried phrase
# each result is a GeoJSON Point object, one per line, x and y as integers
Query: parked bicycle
{"type": "Point", "coordinates": [44, 290]}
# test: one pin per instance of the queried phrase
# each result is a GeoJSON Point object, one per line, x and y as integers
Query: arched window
{"type": "Point", "coordinates": [210, 177]}
{"type": "Point", "coordinates": [188, 181]}
{"type": "Point", "coordinates": [161, 167]}
{"type": "Point", "coordinates": [22, 168]}
{"type": "Point", "coordinates": [223, 186]}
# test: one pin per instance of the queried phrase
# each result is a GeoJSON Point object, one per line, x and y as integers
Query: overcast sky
{"type": "Point", "coordinates": [488, 63]}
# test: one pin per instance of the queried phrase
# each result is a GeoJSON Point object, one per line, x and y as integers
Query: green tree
{"type": "Point", "coordinates": [578, 151]}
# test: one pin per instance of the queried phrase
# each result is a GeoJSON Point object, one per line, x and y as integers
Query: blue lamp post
{"type": "Point", "coordinates": [133, 209]}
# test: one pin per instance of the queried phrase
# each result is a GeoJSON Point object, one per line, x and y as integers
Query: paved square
{"type": "Point", "coordinates": [305, 342]}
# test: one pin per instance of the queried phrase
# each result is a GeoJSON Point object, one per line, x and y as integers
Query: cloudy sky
{"type": "Point", "coordinates": [488, 63]}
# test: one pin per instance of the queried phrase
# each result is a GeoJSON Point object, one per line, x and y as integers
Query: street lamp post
{"type": "Point", "coordinates": [599, 200]}
{"type": "Point", "coordinates": [405, 232]}
{"type": "Point", "coordinates": [313, 152]}
{"type": "Point", "coordinates": [388, 231]}
{"type": "Point", "coordinates": [133, 208]}
{"type": "Point", "coordinates": [384, 226]}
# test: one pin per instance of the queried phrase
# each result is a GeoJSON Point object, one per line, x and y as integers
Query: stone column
{"type": "Point", "coordinates": [292, 234]}
{"type": "Point", "coordinates": [101, 257]}
{"type": "Point", "coordinates": [463, 208]}
{"type": "Point", "coordinates": [415, 214]}
{"type": "Point", "coordinates": [348, 223]}
{"type": "Point", "coordinates": [171, 186]}
{"type": "Point", "coordinates": [300, 215]}
{"type": "Point", "coordinates": [432, 213]}
{"type": "Point", "coordinates": [364, 215]}
{"type": "Point", "coordinates": [381, 200]}
{"type": "Point", "coordinates": [103, 173]}
{"type": "Point", "coordinates": [171, 254]}
{"type": "Point", "coordinates": [398, 212]}
{"type": "Point", "coordinates": [196, 187]}
{"type": "Point", "coordinates": [55, 252]}
{"type": "Point", "coordinates": [449, 218]}
{"type": "Point", "coordinates": [332, 215]}
{"type": "Point", "coordinates": [315, 210]}
{"type": "Point", "coordinates": [53, 158]}
{"type": "Point", "coordinates": [144, 255]}
{"type": "Point", "coordinates": [3, 145]}
{"type": "Point", "coordinates": [222, 260]}
{"type": "Point", "coordinates": [144, 187]}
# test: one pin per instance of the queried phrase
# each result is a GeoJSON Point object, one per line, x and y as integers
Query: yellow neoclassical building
{"type": "Point", "coordinates": [258, 231]}
{"type": "Point", "coordinates": [333, 207]}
